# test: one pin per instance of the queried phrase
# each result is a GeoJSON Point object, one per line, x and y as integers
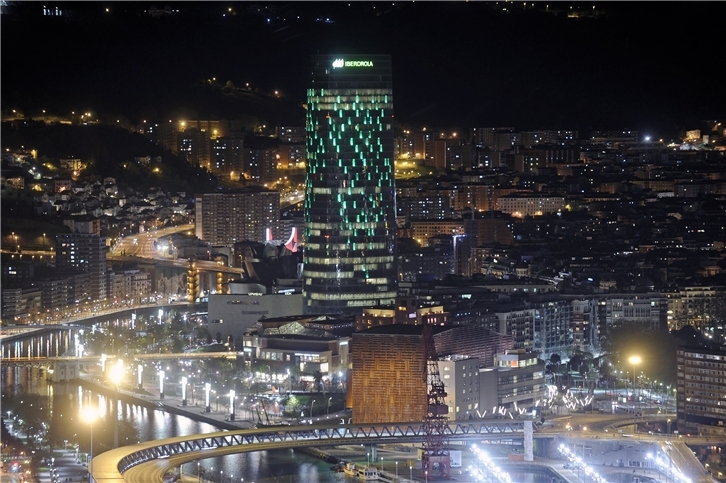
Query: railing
{"type": "Point", "coordinates": [309, 435]}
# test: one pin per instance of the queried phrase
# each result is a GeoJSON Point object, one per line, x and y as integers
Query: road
{"type": "Point", "coordinates": [142, 245]}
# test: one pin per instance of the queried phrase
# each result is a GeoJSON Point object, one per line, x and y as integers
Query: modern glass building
{"type": "Point", "coordinates": [350, 222]}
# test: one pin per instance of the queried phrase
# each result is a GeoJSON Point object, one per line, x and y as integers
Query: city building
{"type": "Point", "coordinates": [460, 375]}
{"type": "Point", "coordinates": [350, 209]}
{"type": "Point", "coordinates": [21, 305]}
{"type": "Point", "coordinates": [644, 310]}
{"type": "Point", "coordinates": [260, 165]}
{"type": "Point", "coordinates": [86, 253]}
{"type": "Point", "coordinates": [231, 315]}
{"type": "Point", "coordinates": [234, 216]}
{"type": "Point", "coordinates": [553, 327]}
{"type": "Point", "coordinates": [521, 204]}
{"type": "Point", "coordinates": [423, 230]}
{"type": "Point", "coordinates": [520, 381]}
{"type": "Point", "coordinates": [404, 313]}
{"type": "Point", "coordinates": [388, 382]}
{"type": "Point", "coordinates": [701, 389]}
{"type": "Point", "coordinates": [300, 347]}
{"type": "Point", "coordinates": [228, 157]}
{"type": "Point", "coordinates": [129, 287]}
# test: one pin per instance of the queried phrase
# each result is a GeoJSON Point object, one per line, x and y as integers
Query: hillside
{"type": "Point", "coordinates": [108, 152]}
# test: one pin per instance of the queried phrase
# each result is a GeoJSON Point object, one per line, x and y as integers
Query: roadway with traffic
{"type": "Point", "coordinates": [143, 245]}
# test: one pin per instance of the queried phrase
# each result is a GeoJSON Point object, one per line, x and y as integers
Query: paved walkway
{"type": "Point", "coordinates": [68, 466]}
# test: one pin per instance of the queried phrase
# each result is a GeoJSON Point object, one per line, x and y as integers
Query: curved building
{"type": "Point", "coordinates": [350, 225]}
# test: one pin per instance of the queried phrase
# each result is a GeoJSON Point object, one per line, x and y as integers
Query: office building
{"type": "Point", "coordinates": [350, 212]}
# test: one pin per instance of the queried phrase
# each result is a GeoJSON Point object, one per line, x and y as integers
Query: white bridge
{"type": "Point", "coordinates": [148, 461]}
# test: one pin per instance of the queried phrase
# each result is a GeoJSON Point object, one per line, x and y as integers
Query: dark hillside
{"type": "Point", "coordinates": [109, 152]}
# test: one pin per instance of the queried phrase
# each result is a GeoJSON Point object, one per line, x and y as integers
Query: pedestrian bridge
{"type": "Point", "coordinates": [147, 462]}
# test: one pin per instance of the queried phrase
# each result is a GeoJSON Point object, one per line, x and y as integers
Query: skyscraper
{"type": "Point", "coordinates": [350, 228]}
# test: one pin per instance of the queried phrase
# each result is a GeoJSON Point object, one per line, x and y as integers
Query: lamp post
{"type": "Point", "coordinates": [199, 474]}
{"type": "Point", "coordinates": [161, 384]}
{"type": "Point", "coordinates": [396, 470]}
{"type": "Point", "coordinates": [327, 412]}
{"type": "Point", "coordinates": [312, 403]}
{"type": "Point", "coordinates": [410, 472]}
{"type": "Point", "coordinates": [184, 390]}
{"type": "Point", "coordinates": [634, 360]}
{"type": "Point", "coordinates": [207, 389]}
{"type": "Point", "coordinates": [669, 427]}
{"type": "Point", "coordinates": [426, 474]}
{"type": "Point", "coordinates": [90, 415]}
{"type": "Point", "coordinates": [231, 404]}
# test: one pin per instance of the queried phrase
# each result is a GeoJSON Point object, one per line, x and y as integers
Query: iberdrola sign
{"type": "Point", "coordinates": [339, 63]}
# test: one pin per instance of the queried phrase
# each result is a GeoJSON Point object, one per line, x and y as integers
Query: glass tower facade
{"type": "Point", "coordinates": [350, 212]}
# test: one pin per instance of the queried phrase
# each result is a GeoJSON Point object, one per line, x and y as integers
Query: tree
{"type": "Point", "coordinates": [317, 380]}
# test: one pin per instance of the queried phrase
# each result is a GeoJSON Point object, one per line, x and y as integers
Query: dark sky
{"type": "Point", "coordinates": [650, 66]}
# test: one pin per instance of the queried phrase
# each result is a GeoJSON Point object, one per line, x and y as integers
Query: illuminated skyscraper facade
{"type": "Point", "coordinates": [350, 225]}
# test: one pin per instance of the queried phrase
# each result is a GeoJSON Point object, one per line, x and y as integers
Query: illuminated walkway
{"type": "Point", "coordinates": [147, 462]}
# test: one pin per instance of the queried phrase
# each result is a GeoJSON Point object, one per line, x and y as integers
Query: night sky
{"type": "Point", "coordinates": [650, 66]}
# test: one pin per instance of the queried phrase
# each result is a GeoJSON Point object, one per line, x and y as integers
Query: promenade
{"type": "Point", "coordinates": [606, 452]}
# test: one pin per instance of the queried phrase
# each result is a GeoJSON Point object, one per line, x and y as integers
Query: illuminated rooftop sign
{"type": "Point", "coordinates": [340, 63]}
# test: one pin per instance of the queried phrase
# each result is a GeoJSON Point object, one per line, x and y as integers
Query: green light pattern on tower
{"type": "Point", "coordinates": [350, 228]}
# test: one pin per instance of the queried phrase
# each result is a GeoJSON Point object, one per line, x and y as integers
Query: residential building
{"type": "Point", "coordinates": [701, 389]}
{"type": "Point", "coordinates": [86, 253]}
{"type": "Point", "coordinates": [521, 204]}
{"type": "Point", "coordinates": [229, 217]}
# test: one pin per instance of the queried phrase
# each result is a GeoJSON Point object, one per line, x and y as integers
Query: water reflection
{"type": "Point", "coordinates": [67, 399]}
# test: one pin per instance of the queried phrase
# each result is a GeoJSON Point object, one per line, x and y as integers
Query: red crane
{"type": "Point", "coordinates": [435, 460]}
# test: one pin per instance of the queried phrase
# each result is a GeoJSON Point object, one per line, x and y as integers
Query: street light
{"type": "Point", "coordinates": [410, 472]}
{"type": "Point", "coordinates": [311, 410]}
{"type": "Point", "coordinates": [669, 427]}
{"type": "Point", "coordinates": [199, 474]}
{"type": "Point", "coordinates": [89, 415]}
{"type": "Point", "coordinates": [426, 473]}
{"type": "Point", "coordinates": [161, 384]}
{"type": "Point", "coordinates": [327, 412]}
{"type": "Point", "coordinates": [184, 382]}
{"type": "Point", "coordinates": [396, 470]}
{"type": "Point", "coordinates": [634, 360]}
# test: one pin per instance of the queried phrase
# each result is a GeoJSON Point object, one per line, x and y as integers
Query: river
{"type": "Point", "coordinates": [66, 399]}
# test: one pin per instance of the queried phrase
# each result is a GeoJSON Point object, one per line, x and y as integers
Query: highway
{"type": "Point", "coordinates": [142, 244]}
